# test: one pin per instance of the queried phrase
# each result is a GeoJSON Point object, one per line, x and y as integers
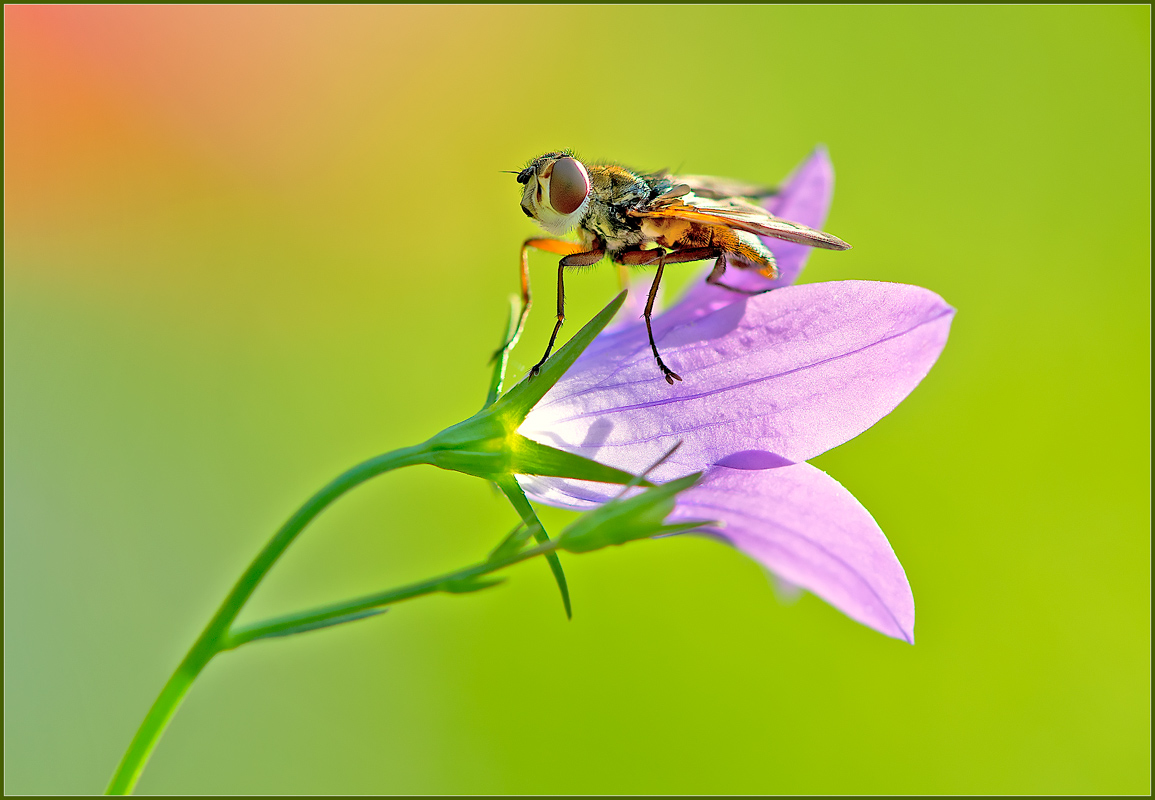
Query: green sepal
{"type": "Point", "coordinates": [626, 519]}
{"type": "Point", "coordinates": [487, 444]}
{"type": "Point", "coordinates": [521, 398]}
{"type": "Point", "coordinates": [535, 458]}
{"type": "Point", "coordinates": [689, 525]}
{"type": "Point", "coordinates": [501, 357]}
{"type": "Point", "coordinates": [512, 489]}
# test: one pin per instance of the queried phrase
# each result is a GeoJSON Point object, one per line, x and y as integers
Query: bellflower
{"type": "Point", "coordinates": [770, 382]}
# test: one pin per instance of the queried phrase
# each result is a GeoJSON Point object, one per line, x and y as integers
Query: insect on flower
{"type": "Point", "coordinates": [648, 219]}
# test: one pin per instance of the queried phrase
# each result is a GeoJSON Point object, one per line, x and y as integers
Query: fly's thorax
{"type": "Point", "coordinates": [614, 191]}
{"type": "Point", "coordinates": [617, 186]}
{"type": "Point", "coordinates": [610, 224]}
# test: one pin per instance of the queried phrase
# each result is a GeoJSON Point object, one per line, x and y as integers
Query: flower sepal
{"type": "Point", "coordinates": [627, 519]}
{"type": "Point", "coordinates": [488, 445]}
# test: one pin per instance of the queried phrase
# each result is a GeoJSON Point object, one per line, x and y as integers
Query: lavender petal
{"type": "Point", "coordinates": [807, 529]}
{"type": "Point", "coordinates": [772, 380]}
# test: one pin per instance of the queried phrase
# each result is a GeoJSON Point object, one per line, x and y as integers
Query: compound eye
{"type": "Point", "coordinates": [568, 185]}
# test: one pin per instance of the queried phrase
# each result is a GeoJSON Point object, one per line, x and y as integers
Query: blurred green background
{"type": "Point", "coordinates": [248, 247]}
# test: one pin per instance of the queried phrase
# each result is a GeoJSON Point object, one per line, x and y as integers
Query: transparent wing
{"type": "Point", "coordinates": [681, 202]}
{"type": "Point", "coordinates": [714, 188]}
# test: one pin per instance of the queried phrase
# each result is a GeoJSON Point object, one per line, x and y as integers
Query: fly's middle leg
{"type": "Point", "coordinates": [667, 373]}
{"type": "Point", "coordinates": [661, 258]}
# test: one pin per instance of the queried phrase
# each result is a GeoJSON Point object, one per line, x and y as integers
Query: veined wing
{"type": "Point", "coordinates": [714, 188]}
{"type": "Point", "coordinates": [680, 203]}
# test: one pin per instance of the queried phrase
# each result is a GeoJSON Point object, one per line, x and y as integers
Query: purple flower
{"type": "Point", "coordinates": [770, 381]}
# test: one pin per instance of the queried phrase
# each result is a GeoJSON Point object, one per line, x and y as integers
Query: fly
{"type": "Point", "coordinates": [648, 219]}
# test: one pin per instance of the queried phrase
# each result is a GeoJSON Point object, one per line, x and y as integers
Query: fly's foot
{"type": "Point", "coordinates": [668, 373]}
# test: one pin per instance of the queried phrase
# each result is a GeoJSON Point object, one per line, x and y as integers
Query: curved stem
{"type": "Point", "coordinates": [448, 582]}
{"type": "Point", "coordinates": [209, 643]}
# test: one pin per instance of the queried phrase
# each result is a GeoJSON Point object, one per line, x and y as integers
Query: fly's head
{"type": "Point", "coordinates": [557, 191]}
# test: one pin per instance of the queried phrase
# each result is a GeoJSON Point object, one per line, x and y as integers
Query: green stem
{"type": "Point", "coordinates": [442, 583]}
{"type": "Point", "coordinates": [215, 634]}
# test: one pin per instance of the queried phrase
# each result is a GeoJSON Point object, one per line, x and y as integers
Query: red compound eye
{"type": "Point", "coordinates": [568, 185]}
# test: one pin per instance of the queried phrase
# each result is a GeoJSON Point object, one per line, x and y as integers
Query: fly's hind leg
{"type": "Point", "coordinates": [576, 258]}
{"type": "Point", "coordinates": [715, 279]}
{"type": "Point", "coordinates": [751, 254]}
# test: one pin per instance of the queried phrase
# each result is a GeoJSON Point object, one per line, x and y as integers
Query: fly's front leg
{"type": "Point", "coordinates": [575, 259]}
{"type": "Point", "coordinates": [556, 246]}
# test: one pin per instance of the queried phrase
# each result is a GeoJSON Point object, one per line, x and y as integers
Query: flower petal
{"type": "Point", "coordinates": [807, 529]}
{"type": "Point", "coordinates": [769, 380]}
{"type": "Point", "coordinates": [804, 197]}
{"type": "Point", "coordinates": [800, 524]}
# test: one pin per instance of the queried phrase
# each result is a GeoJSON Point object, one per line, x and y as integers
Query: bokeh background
{"type": "Point", "coordinates": [248, 247]}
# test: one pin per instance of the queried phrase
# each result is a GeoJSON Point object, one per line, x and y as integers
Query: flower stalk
{"type": "Point", "coordinates": [777, 379]}
{"type": "Point", "coordinates": [616, 523]}
{"type": "Point", "coordinates": [486, 445]}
